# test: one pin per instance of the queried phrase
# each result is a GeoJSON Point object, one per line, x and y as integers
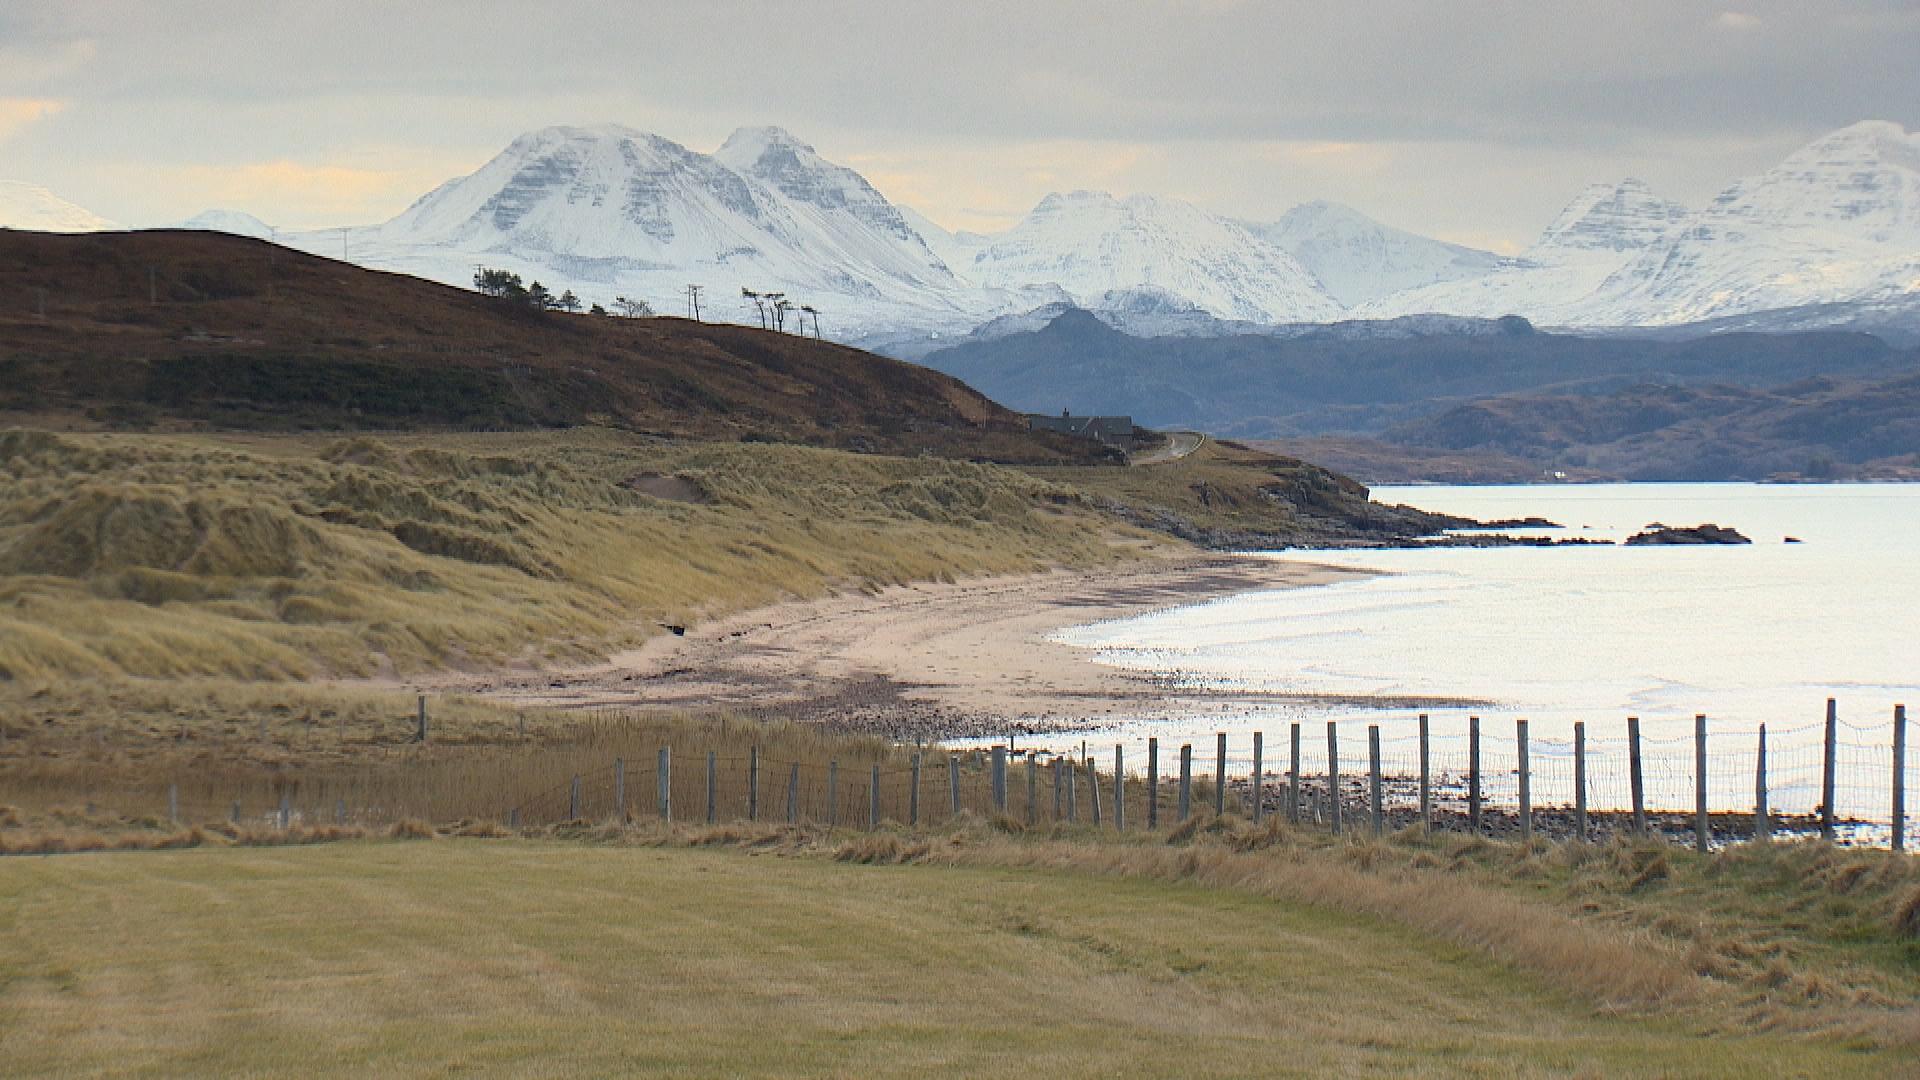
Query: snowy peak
{"type": "Point", "coordinates": [774, 157]}
{"type": "Point", "coordinates": [1090, 243]}
{"type": "Point", "coordinates": [1837, 221]}
{"type": "Point", "coordinates": [1626, 216]}
{"type": "Point", "coordinates": [28, 206]}
{"type": "Point", "coordinates": [1359, 259]}
{"type": "Point", "coordinates": [229, 221]}
{"type": "Point", "coordinates": [1863, 180]}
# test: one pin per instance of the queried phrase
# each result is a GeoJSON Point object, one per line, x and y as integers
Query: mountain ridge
{"type": "Point", "coordinates": [610, 210]}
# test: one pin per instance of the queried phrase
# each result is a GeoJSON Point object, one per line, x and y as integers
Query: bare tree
{"type": "Point", "coordinates": [632, 309]}
{"type": "Point", "coordinates": [759, 304]}
{"type": "Point", "coordinates": [809, 309]}
{"type": "Point", "coordinates": [777, 301]}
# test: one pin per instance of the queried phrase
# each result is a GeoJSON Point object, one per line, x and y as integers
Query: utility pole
{"type": "Point", "coordinates": [693, 300]}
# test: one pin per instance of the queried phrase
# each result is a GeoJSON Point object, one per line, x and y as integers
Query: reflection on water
{"type": "Point", "coordinates": [1746, 635]}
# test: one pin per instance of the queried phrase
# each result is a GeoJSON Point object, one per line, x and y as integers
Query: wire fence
{"type": "Point", "coordinates": [1716, 786]}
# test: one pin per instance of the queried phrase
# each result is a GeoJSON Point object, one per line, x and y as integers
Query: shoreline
{"type": "Point", "coordinates": [927, 661]}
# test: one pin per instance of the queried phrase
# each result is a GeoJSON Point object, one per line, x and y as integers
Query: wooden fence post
{"type": "Point", "coordinates": [833, 792]}
{"type": "Point", "coordinates": [1259, 779]}
{"type": "Point", "coordinates": [1119, 790]}
{"type": "Point", "coordinates": [286, 810]}
{"type": "Point", "coordinates": [1093, 787]}
{"type": "Point", "coordinates": [173, 802]}
{"type": "Point", "coordinates": [1033, 789]}
{"type": "Point", "coordinates": [999, 779]}
{"type": "Point", "coordinates": [573, 803]}
{"type": "Point", "coordinates": [340, 811]}
{"type": "Point", "coordinates": [1186, 780]}
{"type": "Point", "coordinates": [1635, 778]}
{"type": "Point", "coordinates": [913, 793]}
{"type": "Point", "coordinates": [1526, 782]}
{"type": "Point", "coordinates": [1426, 780]}
{"type": "Point", "coordinates": [620, 790]}
{"type": "Point", "coordinates": [1899, 778]}
{"type": "Point", "coordinates": [713, 786]}
{"type": "Point", "coordinates": [1073, 788]}
{"type": "Point", "coordinates": [1762, 819]}
{"type": "Point", "coordinates": [1153, 784]}
{"type": "Point", "coordinates": [1827, 770]}
{"type": "Point", "coordinates": [873, 798]}
{"type": "Point", "coordinates": [1293, 777]}
{"type": "Point", "coordinates": [1333, 775]}
{"type": "Point", "coordinates": [665, 777]}
{"type": "Point", "coordinates": [1473, 773]}
{"type": "Point", "coordinates": [753, 782]}
{"type": "Point", "coordinates": [1059, 806]}
{"type": "Point", "coordinates": [1700, 833]}
{"type": "Point", "coordinates": [420, 731]}
{"type": "Point", "coordinates": [953, 783]}
{"type": "Point", "coordinates": [1373, 776]}
{"type": "Point", "coordinates": [1220, 774]}
{"type": "Point", "coordinates": [1580, 781]}
{"type": "Point", "coordinates": [793, 793]}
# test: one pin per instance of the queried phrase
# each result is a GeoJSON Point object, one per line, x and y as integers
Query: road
{"type": "Point", "coordinates": [1179, 444]}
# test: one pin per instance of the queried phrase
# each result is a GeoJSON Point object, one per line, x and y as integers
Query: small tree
{"type": "Point", "coordinates": [632, 309]}
{"type": "Point", "coordinates": [499, 284]}
{"type": "Point", "coordinates": [539, 297]}
{"type": "Point", "coordinates": [596, 310]}
{"type": "Point", "coordinates": [567, 301]}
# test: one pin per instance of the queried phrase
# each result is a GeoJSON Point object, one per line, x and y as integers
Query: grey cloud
{"type": "Point", "coordinates": [1614, 82]}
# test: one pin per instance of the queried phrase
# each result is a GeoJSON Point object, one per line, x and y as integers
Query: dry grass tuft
{"type": "Point", "coordinates": [411, 829]}
{"type": "Point", "coordinates": [1906, 914]}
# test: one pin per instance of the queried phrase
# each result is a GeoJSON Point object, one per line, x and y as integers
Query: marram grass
{"type": "Point", "coordinates": [175, 557]}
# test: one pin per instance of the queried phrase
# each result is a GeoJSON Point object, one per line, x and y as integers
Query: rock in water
{"type": "Point", "coordinates": [1657, 533]}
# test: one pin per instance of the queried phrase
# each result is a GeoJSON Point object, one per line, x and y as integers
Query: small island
{"type": "Point", "coordinates": [1656, 533]}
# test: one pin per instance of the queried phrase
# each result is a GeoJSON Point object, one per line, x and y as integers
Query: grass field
{"type": "Point", "coordinates": [556, 958]}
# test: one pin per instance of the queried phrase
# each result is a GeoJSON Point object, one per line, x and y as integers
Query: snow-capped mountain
{"type": "Point", "coordinates": [1839, 220]}
{"type": "Point", "coordinates": [956, 249]}
{"type": "Point", "coordinates": [609, 211]}
{"type": "Point", "coordinates": [1603, 229]}
{"type": "Point", "coordinates": [229, 221]}
{"type": "Point", "coordinates": [27, 206]}
{"type": "Point", "coordinates": [1090, 243]}
{"type": "Point", "coordinates": [1358, 259]}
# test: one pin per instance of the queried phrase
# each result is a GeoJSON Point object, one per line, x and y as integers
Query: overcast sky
{"type": "Point", "coordinates": [1471, 121]}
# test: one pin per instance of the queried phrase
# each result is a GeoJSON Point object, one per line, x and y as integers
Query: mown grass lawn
{"type": "Point", "coordinates": [555, 958]}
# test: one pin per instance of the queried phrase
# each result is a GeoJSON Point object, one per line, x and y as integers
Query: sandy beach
{"type": "Point", "coordinates": [921, 661]}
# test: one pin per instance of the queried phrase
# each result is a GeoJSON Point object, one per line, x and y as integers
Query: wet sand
{"type": "Point", "coordinates": [926, 661]}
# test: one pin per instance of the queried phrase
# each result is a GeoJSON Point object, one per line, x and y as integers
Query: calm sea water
{"type": "Point", "coordinates": [1746, 635]}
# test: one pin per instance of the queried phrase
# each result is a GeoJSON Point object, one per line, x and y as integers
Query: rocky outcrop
{"type": "Point", "coordinates": [1657, 533]}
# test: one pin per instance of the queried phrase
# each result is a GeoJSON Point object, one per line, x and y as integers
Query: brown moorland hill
{"type": "Point", "coordinates": [175, 330]}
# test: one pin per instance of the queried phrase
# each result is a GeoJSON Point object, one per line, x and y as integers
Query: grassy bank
{"type": "Point", "coordinates": [170, 557]}
{"type": "Point", "coordinates": [438, 955]}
